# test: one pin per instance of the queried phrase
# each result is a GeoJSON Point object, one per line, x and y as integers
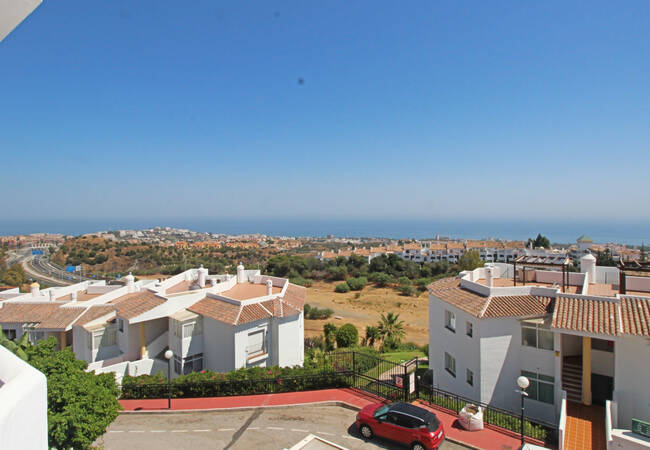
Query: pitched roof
{"type": "Point", "coordinates": [449, 291]}
{"type": "Point", "coordinates": [45, 315]}
{"type": "Point", "coordinates": [635, 316]}
{"type": "Point", "coordinates": [237, 314]}
{"type": "Point", "coordinates": [94, 312]}
{"type": "Point", "coordinates": [136, 303]}
{"type": "Point", "coordinates": [585, 238]}
{"type": "Point", "coordinates": [518, 306]}
{"type": "Point", "coordinates": [589, 316]}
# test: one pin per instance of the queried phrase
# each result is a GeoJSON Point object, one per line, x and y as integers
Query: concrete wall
{"type": "Point", "coordinates": [632, 358]}
{"type": "Point", "coordinates": [602, 363]}
{"type": "Point", "coordinates": [23, 404]}
{"type": "Point", "coordinates": [219, 345]}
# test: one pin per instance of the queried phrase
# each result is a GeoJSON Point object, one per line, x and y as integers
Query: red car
{"type": "Point", "coordinates": [401, 422]}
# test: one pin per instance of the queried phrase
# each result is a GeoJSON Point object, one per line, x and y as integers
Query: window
{"type": "Point", "coordinates": [541, 387]}
{"type": "Point", "coordinates": [469, 377]}
{"type": "Point", "coordinates": [469, 329]}
{"type": "Point", "coordinates": [450, 321]}
{"type": "Point", "coordinates": [178, 365]}
{"type": "Point", "coordinates": [532, 335]}
{"type": "Point", "coordinates": [193, 363]}
{"type": "Point", "coordinates": [256, 343]}
{"type": "Point", "coordinates": [10, 334]}
{"type": "Point", "coordinates": [120, 325]}
{"type": "Point", "coordinates": [105, 338]}
{"type": "Point", "coordinates": [450, 364]}
{"type": "Point", "coordinates": [178, 329]}
{"type": "Point", "coordinates": [602, 344]}
{"type": "Point", "coordinates": [34, 336]}
{"type": "Point", "coordinates": [192, 329]}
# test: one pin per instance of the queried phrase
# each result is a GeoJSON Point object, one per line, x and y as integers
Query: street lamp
{"type": "Point", "coordinates": [169, 355]}
{"type": "Point", "coordinates": [523, 383]}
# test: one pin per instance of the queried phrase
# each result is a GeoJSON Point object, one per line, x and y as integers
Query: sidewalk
{"type": "Point", "coordinates": [486, 439]}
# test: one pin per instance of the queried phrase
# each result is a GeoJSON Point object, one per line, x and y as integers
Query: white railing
{"type": "Point", "coordinates": [562, 424]}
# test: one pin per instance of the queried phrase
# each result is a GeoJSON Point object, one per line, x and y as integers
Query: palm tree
{"type": "Point", "coordinates": [372, 334]}
{"type": "Point", "coordinates": [390, 327]}
{"type": "Point", "coordinates": [17, 348]}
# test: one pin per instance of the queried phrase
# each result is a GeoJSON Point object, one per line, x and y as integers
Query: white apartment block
{"type": "Point", "coordinates": [572, 332]}
{"type": "Point", "coordinates": [216, 322]}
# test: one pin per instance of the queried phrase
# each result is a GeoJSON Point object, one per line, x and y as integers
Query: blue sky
{"type": "Point", "coordinates": [422, 110]}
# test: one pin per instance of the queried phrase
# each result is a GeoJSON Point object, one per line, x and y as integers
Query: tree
{"type": "Point", "coordinates": [342, 288]}
{"type": "Point", "coordinates": [329, 330]}
{"type": "Point", "coordinates": [80, 404]}
{"type": "Point", "coordinates": [15, 275]}
{"type": "Point", "coordinates": [539, 241]}
{"type": "Point", "coordinates": [390, 327]}
{"type": "Point", "coordinates": [357, 284]}
{"type": "Point", "coordinates": [406, 290]}
{"type": "Point", "coordinates": [347, 336]}
{"type": "Point", "coordinates": [470, 260]}
{"type": "Point", "coordinates": [381, 279]}
{"type": "Point", "coordinates": [605, 258]}
{"type": "Point", "coordinates": [372, 334]}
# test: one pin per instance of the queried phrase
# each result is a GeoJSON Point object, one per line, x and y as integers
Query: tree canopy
{"type": "Point", "coordinates": [80, 404]}
{"type": "Point", "coordinates": [470, 260]}
{"type": "Point", "coordinates": [539, 241]}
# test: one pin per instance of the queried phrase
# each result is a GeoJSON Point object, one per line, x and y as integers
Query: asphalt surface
{"type": "Point", "coordinates": [263, 428]}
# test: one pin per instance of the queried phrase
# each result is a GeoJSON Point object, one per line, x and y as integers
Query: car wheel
{"type": "Point", "coordinates": [418, 446]}
{"type": "Point", "coordinates": [366, 431]}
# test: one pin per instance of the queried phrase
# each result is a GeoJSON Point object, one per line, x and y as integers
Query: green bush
{"type": "Point", "coordinates": [300, 281]}
{"type": "Point", "coordinates": [347, 336]}
{"type": "Point", "coordinates": [407, 291]}
{"type": "Point", "coordinates": [342, 288]}
{"type": "Point", "coordinates": [357, 284]}
{"type": "Point", "coordinates": [314, 313]}
{"type": "Point", "coordinates": [381, 279]}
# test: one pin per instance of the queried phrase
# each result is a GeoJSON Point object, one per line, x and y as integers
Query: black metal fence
{"type": "Point", "coordinates": [508, 420]}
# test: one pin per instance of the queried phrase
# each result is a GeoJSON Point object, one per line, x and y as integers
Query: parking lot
{"type": "Point", "coordinates": [273, 428]}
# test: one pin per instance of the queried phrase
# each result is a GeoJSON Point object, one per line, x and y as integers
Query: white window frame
{"type": "Point", "coordinates": [450, 320]}
{"type": "Point", "coordinates": [536, 379]}
{"type": "Point", "coordinates": [264, 338]}
{"type": "Point", "coordinates": [449, 362]}
{"type": "Point", "coordinates": [537, 328]}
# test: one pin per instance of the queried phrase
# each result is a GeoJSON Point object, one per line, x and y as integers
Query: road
{"type": "Point", "coordinates": [270, 428]}
{"type": "Point", "coordinates": [40, 269]}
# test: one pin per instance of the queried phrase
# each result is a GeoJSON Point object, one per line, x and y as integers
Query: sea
{"type": "Point", "coordinates": [559, 231]}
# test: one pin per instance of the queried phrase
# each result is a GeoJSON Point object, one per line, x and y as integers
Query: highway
{"type": "Point", "coordinates": [39, 268]}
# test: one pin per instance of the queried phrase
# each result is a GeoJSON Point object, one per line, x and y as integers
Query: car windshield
{"type": "Point", "coordinates": [381, 410]}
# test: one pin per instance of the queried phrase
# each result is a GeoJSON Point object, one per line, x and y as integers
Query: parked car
{"type": "Point", "coordinates": [401, 422]}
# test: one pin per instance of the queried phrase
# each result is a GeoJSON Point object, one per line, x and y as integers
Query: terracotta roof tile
{"type": "Point", "coordinates": [251, 313]}
{"type": "Point", "coordinates": [295, 296]}
{"type": "Point", "coordinates": [449, 291]}
{"type": "Point", "coordinates": [216, 309]}
{"type": "Point", "coordinates": [518, 306]}
{"type": "Point", "coordinates": [136, 303]}
{"type": "Point", "coordinates": [635, 316]}
{"type": "Point", "coordinates": [589, 316]}
{"type": "Point", "coordinates": [46, 315]}
{"type": "Point", "coordinates": [94, 312]}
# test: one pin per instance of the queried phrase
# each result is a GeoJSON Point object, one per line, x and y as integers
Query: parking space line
{"type": "Point", "coordinates": [200, 431]}
{"type": "Point", "coordinates": [226, 429]}
{"type": "Point", "coordinates": [325, 433]}
{"type": "Point", "coordinates": [136, 431]}
{"type": "Point", "coordinates": [158, 431]}
{"type": "Point", "coordinates": [253, 428]}
{"type": "Point", "coordinates": [116, 431]}
{"type": "Point", "coordinates": [299, 430]}
{"type": "Point", "coordinates": [179, 431]}
{"type": "Point", "coordinates": [275, 428]}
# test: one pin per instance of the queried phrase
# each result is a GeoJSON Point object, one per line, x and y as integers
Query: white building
{"type": "Point", "coordinates": [590, 340]}
{"type": "Point", "coordinates": [217, 322]}
{"type": "Point", "coordinates": [23, 404]}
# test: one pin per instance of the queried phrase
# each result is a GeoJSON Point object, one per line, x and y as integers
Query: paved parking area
{"type": "Point", "coordinates": [272, 428]}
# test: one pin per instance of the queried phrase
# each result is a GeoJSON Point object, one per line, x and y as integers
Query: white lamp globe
{"type": "Point", "coordinates": [169, 354]}
{"type": "Point", "coordinates": [522, 382]}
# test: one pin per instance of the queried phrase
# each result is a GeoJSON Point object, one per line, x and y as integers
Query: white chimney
{"type": "Point", "coordinates": [52, 295]}
{"type": "Point", "coordinates": [35, 289]}
{"type": "Point", "coordinates": [202, 275]}
{"type": "Point", "coordinates": [269, 287]}
{"type": "Point", "coordinates": [241, 275]}
{"type": "Point", "coordinates": [73, 296]}
{"type": "Point", "coordinates": [489, 278]}
{"type": "Point", "coordinates": [588, 266]}
{"type": "Point", "coordinates": [130, 282]}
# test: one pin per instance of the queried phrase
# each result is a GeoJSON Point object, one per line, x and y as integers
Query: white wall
{"type": "Point", "coordinates": [23, 404]}
{"type": "Point", "coordinates": [464, 349]}
{"type": "Point", "coordinates": [80, 341]}
{"type": "Point", "coordinates": [602, 363]}
{"type": "Point", "coordinates": [632, 359]}
{"type": "Point", "coordinates": [289, 334]}
{"type": "Point", "coordinates": [241, 341]}
{"type": "Point", "coordinates": [219, 345]}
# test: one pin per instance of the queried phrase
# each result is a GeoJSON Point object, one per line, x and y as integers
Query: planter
{"type": "Point", "coordinates": [471, 417]}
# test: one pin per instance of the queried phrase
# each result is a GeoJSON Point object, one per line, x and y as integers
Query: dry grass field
{"type": "Point", "coordinates": [366, 309]}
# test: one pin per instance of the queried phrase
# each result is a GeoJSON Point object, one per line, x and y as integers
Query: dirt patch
{"type": "Point", "coordinates": [367, 309]}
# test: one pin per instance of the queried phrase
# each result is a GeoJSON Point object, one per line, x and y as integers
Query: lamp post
{"type": "Point", "coordinates": [169, 355]}
{"type": "Point", "coordinates": [523, 383]}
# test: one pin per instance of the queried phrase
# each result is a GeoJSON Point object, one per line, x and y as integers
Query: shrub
{"type": "Point", "coordinates": [407, 291]}
{"type": "Point", "coordinates": [342, 288]}
{"type": "Point", "coordinates": [300, 281]}
{"type": "Point", "coordinates": [404, 280]}
{"type": "Point", "coordinates": [314, 313]}
{"type": "Point", "coordinates": [347, 336]}
{"type": "Point", "coordinates": [357, 284]}
{"type": "Point", "coordinates": [381, 279]}
{"type": "Point", "coordinates": [357, 295]}
{"type": "Point", "coordinates": [337, 272]}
